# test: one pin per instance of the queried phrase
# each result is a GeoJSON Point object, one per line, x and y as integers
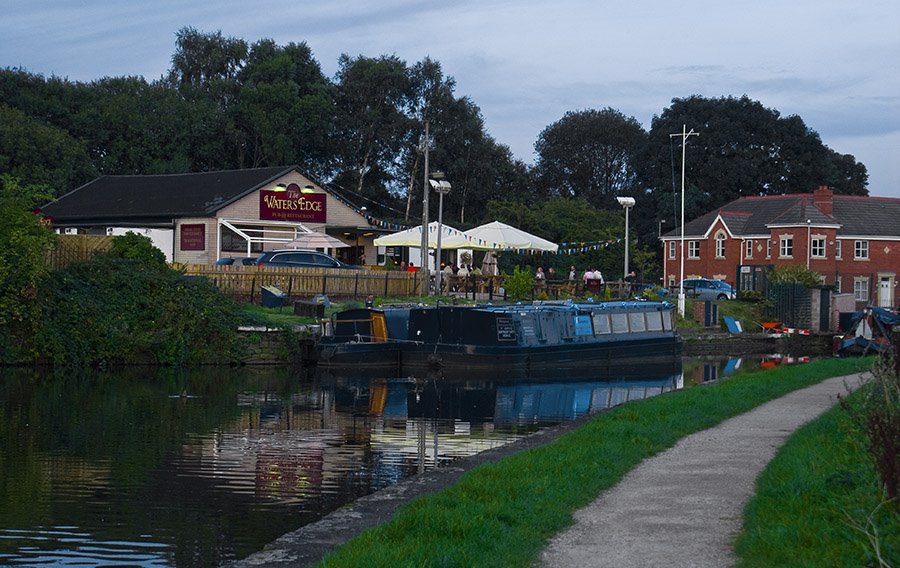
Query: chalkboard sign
{"type": "Point", "coordinates": [506, 330]}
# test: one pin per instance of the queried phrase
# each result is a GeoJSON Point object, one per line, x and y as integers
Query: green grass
{"type": "Point", "coordinates": [805, 500]}
{"type": "Point", "coordinates": [750, 314]}
{"type": "Point", "coordinates": [502, 514]}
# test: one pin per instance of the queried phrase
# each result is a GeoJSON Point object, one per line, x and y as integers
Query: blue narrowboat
{"type": "Point", "coordinates": [532, 338]}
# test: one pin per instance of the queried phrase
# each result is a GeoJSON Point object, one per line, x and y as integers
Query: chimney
{"type": "Point", "coordinates": [822, 199]}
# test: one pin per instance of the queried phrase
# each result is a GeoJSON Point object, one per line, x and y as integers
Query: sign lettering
{"type": "Point", "coordinates": [292, 205]}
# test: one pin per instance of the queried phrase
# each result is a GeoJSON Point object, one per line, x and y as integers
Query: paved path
{"type": "Point", "coordinates": [683, 507]}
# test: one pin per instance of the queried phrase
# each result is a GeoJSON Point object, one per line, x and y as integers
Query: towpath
{"type": "Point", "coordinates": [684, 506]}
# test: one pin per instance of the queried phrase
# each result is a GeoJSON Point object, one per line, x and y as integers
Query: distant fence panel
{"type": "Point", "coordinates": [245, 282]}
{"type": "Point", "coordinates": [77, 248]}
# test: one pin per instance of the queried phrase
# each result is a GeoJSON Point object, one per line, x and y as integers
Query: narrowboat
{"type": "Point", "coordinates": [872, 330]}
{"type": "Point", "coordinates": [539, 337]}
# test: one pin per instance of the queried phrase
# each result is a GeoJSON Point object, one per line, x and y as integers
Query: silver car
{"type": "Point", "coordinates": [708, 289]}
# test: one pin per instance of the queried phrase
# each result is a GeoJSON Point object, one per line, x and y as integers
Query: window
{"type": "Point", "coordinates": [787, 247]}
{"type": "Point", "coordinates": [817, 245]}
{"type": "Point", "coordinates": [861, 288]}
{"type": "Point", "coordinates": [671, 250]}
{"type": "Point", "coordinates": [837, 249]}
{"type": "Point", "coordinates": [768, 248]}
{"type": "Point", "coordinates": [748, 249]}
{"type": "Point", "coordinates": [837, 285]}
{"type": "Point", "coordinates": [636, 321]}
{"type": "Point", "coordinates": [693, 249]}
{"type": "Point", "coordinates": [861, 250]}
{"type": "Point", "coordinates": [720, 245]}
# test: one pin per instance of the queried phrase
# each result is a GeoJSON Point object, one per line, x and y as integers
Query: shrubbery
{"type": "Point", "coordinates": [119, 310]}
{"type": "Point", "coordinates": [520, 285]}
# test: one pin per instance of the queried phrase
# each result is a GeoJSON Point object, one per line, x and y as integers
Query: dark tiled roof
{"type": "Point", "coordinates": [160, 196]}
{"type": "Point", "coordinates": [863, 216]}
{"type": "Point", "coordinates": [867, 215]}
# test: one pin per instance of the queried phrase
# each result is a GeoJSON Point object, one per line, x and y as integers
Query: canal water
{"type": "Point", "coordinates": [159, 467]}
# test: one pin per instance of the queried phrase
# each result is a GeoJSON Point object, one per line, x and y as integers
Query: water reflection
{"type": "Point", "coordinates": [175, 468]}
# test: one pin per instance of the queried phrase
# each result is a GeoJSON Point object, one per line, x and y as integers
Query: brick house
{"type": "Point", "coordinates": [853, 242]}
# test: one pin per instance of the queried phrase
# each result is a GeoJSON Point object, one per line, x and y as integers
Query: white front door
{"type": "Point", "coordinates": [885, 292]}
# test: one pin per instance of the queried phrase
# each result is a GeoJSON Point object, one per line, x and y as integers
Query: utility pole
{"type": "Point", "coordinates": [684, 134]}
{"type": "Point", "coordinates": [425, 191]}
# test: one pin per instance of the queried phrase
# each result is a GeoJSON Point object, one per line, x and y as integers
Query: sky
{"type": "Point", "coordinates": [525, 63]}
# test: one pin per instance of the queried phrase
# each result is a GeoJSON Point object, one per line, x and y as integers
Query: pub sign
{"type": "Point", "coordinates": [291, 204]}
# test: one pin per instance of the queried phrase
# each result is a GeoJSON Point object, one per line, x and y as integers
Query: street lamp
{"type": "Point", "coordinates": [659, 231]}
{"type": "Point", "coordinates": [626, 203]}
{"type": "Point", "coordinates": [684, 137]}
{"type": "Point", "coordinates": [442, 187]}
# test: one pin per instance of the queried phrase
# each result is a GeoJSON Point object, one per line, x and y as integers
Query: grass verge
{"type": "Point", "coordinates": [502, 514]}
{"type": "Point", "coordinates": [814, 501]}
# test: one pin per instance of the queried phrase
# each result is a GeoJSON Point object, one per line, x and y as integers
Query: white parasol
{"type": "Point", "coordinates": [501, 236]}
{"type": "Point", "coordinates": [450, 238]}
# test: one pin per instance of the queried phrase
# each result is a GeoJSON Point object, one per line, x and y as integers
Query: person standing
{"type": "Point", "coordinates": [573, 274]}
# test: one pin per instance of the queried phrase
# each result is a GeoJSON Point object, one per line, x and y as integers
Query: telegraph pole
{"type": "Point", "coordinates": [425, 191]}
{"type": "Point", "coordinates": [684, 134]}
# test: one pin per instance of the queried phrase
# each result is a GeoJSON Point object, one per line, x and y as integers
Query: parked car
{"type": "Point", "coordinates": [247, 261]}
{"type": "Point", "coordinates": [301, 258]}
{"type": "Point", "coordinates": [708, 289]}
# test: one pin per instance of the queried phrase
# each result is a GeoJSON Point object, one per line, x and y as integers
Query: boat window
{"type": "Point", "coordinates": [667, 320]}
{"type": "Point", "coordinates": [636, 321]}
{"type": "Point", "coordinates": [601, 324]}
{"type": "Point", "coordinates": [654, 321]}
{"type": "Point", "coordinates": [619, 323]}
{"type": "Point", "coordinates": [583, 325]}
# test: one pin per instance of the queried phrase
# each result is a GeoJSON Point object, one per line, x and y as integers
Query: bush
{"type": "Point", "coordinates": [24, 244]}
{"type": "Point", "coordinates": [115, 310]}
{"type": "Point", "coordinates": [878, 416]}
{"type": "Point", "coordinates": [136, 247]}
{"type": "Point", "coordinates": [520, 285]}
{"type": "Point", "coordinates": [795, 274]}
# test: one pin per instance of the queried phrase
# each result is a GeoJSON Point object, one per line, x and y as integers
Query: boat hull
{"type": "Point", "coordinates": [539, 359]}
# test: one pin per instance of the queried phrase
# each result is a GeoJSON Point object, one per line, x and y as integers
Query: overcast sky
{"type": "Point", "coordinates": [525, 63]}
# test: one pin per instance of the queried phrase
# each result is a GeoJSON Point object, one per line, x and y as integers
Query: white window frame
{"type": "Point", "coordinates": [786, 245]}
{"type": "Point", "coordinates": [861, 288]}
{"type": "Point", "coordinates": [861, 250]}
{"type": "Point", "coordinates": [837, 284]}
{"type": "Point", "coordinates": [817, 247]}
{"type": "Point", "coordinates": [672, 249]}
{"type": "Point", "coordinates": [694, 249]}
{"type": "Point", "coordinates": [768, 248]}
{"type": "Point", "coordinates": [837, 249]}
{"type": "Point", "coordinates": [748, 248]}
{"type": "Point", "coordinates": [720, 245]}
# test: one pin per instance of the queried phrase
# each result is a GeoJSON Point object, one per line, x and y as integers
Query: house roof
{"type": "Point", "coordinates": [159, 197]}
{"type": "Point", "coordinates": [748, 216]}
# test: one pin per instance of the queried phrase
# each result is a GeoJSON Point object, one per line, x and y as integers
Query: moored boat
{"type": "Point", "coordinates": [539, 337]}
{"type": "Point", "coordinates": [872, 330]}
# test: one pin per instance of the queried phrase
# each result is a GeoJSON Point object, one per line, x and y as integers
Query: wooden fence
{"type": "Point", "coordinates": [245, 282]}
{"type": "Point", "coordinates": [77, 248]}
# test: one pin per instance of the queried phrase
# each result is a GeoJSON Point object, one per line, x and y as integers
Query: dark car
{"type": "Point", "coordinates": [301, 258]}
{"type": "Point", "coordinates": [248, 261]}
{"type": "Point", "coordinates": [708, 289]}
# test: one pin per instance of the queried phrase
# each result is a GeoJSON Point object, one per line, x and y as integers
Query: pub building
{"type": "Point", "coordinates": [198, 218]}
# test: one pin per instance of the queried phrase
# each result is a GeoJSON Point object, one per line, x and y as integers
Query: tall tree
{"type": "Point", "coordinates": [285, 109]}
{"type": "Point", "coordinates": [41, 154]}
{"type": "Point", "coordinates": [373, 97]}
{"type": "Point", "coordinates": [743, 149]}
{"type": "Point", "coordinates": [589, 154]}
